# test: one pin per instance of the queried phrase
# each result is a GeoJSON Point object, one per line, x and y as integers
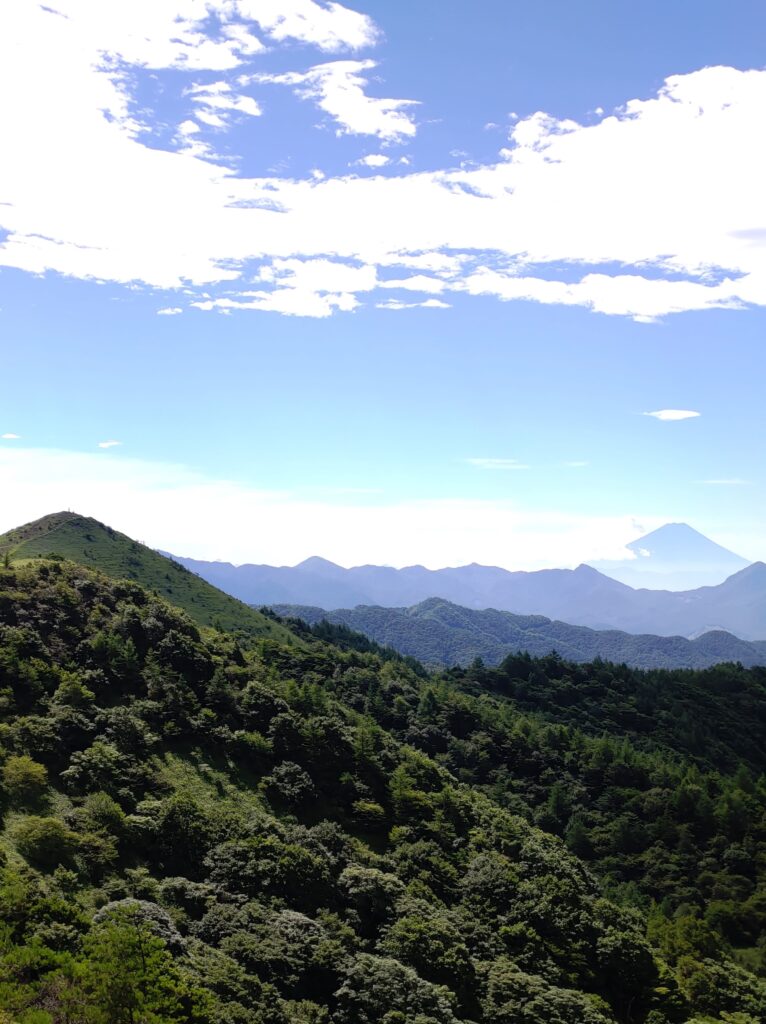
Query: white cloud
{"type": "Point", "coordinates": [426, 304]}
{"type": "Point", "coordinates": [174, 508]}
{"type": "Point", "coordinates": [217, 103]}
{"type": "Point", "coordinates": [576, 464]}
{"type": "Point", "coordinates": [289, 301]}
{"type": "Point", "coordinates": [302, 288]}
{"type": "Point", "coordinates": [655, 209]}
{"type": "Point", "coordinates": [338, 87]}
{"type": "Point", "coordinates": [417, 283]}
{"type": "Point", "coordinates": [169, 311]}
{"type": "Point", "coordinates": [329, 26]}
{"type": "Point", "coordinates": [108, 444]}
{"type": "Point", "coordinates": [484, 463]}
{"type": "Point", "coordinates": [670, 415]}
{"type": "Point", "coordinates": [10, 437]}
{"type": "Point", "coordinates": [374, 160]}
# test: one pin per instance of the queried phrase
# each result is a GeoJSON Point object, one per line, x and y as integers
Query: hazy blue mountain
{"type": "Point", "coordinates": [674, 557]}
{"type": "Point", "coordinates": [582, 596]}
{"type": "Point", "coordinates": [438, 632]}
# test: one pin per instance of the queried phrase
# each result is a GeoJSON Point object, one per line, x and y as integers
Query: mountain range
{"type": "Point", "coordinates": [583, 596]}
{"type": "Point", "coordinates": [437, 632]}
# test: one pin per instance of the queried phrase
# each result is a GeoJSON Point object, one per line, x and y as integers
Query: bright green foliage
{"type": "Point", "coordinates": [45, 841]}
{"type": "Point", "coordinates": [24, 780]}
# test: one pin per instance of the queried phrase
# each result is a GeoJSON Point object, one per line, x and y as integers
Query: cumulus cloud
{"type": "Point", "coordinates": [10, 437]}
{"type": "Point", "coordinates": [169, 311]}
{"type": "Point", "coordinates": [338, 87]}
{"type": "Point", "coordinates": [177, 509]}
{"type": "Point", "coordinates": [489, 463]}
{"type": "Point", "coordinates": [108, 444]}
{"type": "Point", "coordinates": [655, 209]}
{"type": "Point", "coordinates": [374, 160]}
{"type": "Point", "coordinates": [670, 415]}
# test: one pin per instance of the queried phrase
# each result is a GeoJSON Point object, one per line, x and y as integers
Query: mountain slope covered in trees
{"type": "Point", "coordinates": [201, 829]}
{"type": "Point", "coordinates": [438, 632]}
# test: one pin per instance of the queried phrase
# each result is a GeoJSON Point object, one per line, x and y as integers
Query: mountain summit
{"type": "Point", "coordinates": [88, 542]}
{"type": "Point", "coordinates": [673, 557]}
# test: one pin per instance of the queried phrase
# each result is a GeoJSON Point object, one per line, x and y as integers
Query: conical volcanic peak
{"type": "Point", "coordinates": [680, 543]}
{"type": "Point", "coordinates": [673, 557]}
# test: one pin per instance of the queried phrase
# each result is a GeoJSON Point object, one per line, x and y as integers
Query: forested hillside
{"type": "Point", "coordinates": [203, 828]}
{"type": "Point", "coordinates": [438, 632]}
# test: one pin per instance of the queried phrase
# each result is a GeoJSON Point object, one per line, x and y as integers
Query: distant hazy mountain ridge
{"type": "Point", "coordinates": [437, 632]}
{"type": "Point", "coordinates": [582, 596]}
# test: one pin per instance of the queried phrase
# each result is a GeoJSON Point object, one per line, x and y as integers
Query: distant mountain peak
{"type": "Point", "coordinates": [673, 557]}
{"type": "Point", "coordinates": [679, 542]}
{"type": "Point", "coordinates": [316, 562]}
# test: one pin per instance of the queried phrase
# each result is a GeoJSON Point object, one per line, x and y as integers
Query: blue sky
{"type": "Point", "coordinates": [385, 282]}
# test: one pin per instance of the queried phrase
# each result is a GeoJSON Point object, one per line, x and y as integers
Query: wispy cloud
{"type": "Point", "coordinates": [733, 481]}
{"type": "Point", "coordinates": [169, 311]}
{"type": "Point", "coordinates": [416, 283]}
{"type": "Point", "coordinates": [109, 444]}
{"type": "Point", "coordinates": [486, 463]}
{"type": "Point", "coordinates": [399, 304]}
{"type": "Point", "coordinates": [671, 415]}
{"type": "Point", "coordinates": [330, 27]}
{"type": "Point", "coordinates": [217, 103]}
{"type": "Point", "coordinates": [338, 87]}
{"type": "Point", "coordinates": [576, 464]}
{"type": "Point", "coordinates": [10, 437]}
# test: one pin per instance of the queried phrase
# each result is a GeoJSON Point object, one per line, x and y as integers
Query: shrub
{"type": "Point", "coordinates": [289, 784]}
{"type": "Point", "coordinates": [45, 841]}
{"type": "Point", "coordinates": [24, 779]}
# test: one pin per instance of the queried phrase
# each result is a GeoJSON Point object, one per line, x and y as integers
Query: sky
{"type": "Point", "coordinates": [385, 282]}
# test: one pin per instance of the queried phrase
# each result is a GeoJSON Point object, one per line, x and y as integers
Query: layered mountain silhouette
{"type": "Point", "coordinates": [438, 632]}
{"type": "Point", "coordinates": [674, 557]}
{"type": "Point", "coordinates": [582, 596]}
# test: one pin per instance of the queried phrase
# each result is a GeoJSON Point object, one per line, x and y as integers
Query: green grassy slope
{"type": "Point", "coordinates": [90, 543]}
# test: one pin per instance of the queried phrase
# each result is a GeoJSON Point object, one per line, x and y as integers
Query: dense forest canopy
{"type": "Point", "coordinates": [215, 827]}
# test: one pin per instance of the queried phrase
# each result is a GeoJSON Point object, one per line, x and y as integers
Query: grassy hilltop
{"type": "Point", "coordinates": [90, 543]}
